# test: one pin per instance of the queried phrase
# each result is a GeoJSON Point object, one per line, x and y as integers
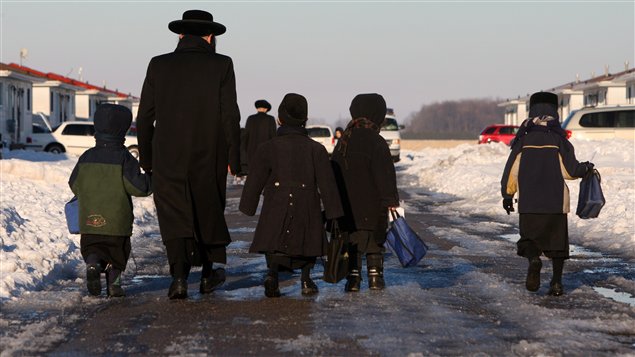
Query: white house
{"type": "Point", "coordinates": [56, 99]}
{"type": "Point", "coordinates": [516, 110]}
{"type": "Point", "coordinates": [16, 104]}
{"type": "Point", "coordinates": [86, 102]}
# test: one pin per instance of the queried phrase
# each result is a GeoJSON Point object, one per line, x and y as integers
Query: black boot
{"type": "Point", "coordinates": [308, 285]}
{"type": "Point", "coordinates": [353, 281]}
{"type": "Point", "coordinates": [375, 267]}
{"type": "Point", "coordinates": [271, 282]}
{"type": "Point", "coordinates": [93, 279]}
{"type": "Point", "coordinates": [113, 282]}
{"type": "Point", "coordinates": [555, 287]}
{"type": "Point", "coordinates": [178, 289]}
{"type": "Point", "coordinates": [533, 274]}
{"type": "Point", "coordinates": [211, 278]}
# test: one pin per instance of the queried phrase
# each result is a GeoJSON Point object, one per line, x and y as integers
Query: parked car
{"type": "Point", "coordinates": [390, 132]}
{"type": "Point", "coordinates": [498, 133]}
{"type": "Point", "coordinates": [323, 135]}
{"type": "Point", "coordinates": [72, 136]}
{"type": "Point", "coordinates": [601, 123]}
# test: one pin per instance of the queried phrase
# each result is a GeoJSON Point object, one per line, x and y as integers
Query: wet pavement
{"type": "Point", "coordinates": [466, 297]}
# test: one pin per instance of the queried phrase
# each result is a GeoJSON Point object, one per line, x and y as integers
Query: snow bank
{"type": "Point", "coordinates": [36, 245]}
{"type": "Point", "coordinates": [472, 173]}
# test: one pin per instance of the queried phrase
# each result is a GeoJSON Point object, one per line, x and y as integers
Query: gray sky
{"type": "Point", "coordinates": [411, 52]}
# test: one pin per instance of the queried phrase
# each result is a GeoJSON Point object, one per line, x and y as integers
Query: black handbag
{"type": "Point", "coordinates": [591, 199]}
{"type": "Point", "coordinates": [336, 264]}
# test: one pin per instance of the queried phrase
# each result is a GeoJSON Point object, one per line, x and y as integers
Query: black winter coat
{"type": "Point", "coordinates": [295, 174]}
{"type": "Point", "coordinates": [539, 163]}
{"type": "Point", "coordinates": [259, 128]}
{"type": "Point", "coordinates": [367, 182]}
{"type": "Point", "coordinates": [189, 131]}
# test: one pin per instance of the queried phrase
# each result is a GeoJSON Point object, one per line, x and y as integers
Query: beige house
{"type": "Point", "coordinates": [55, 99]}
{"type": "Point", "coordinates": [16, 104]}
{"type": "Point", "coordinates": [606, 90]}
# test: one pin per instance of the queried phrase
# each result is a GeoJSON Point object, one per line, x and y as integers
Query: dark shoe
{"type": "Point", "coordinates": [215, 280]}
{"type": "Point", "coordinates": [353, 282]}
{"type": "Point", "coordinates": [178, 289]}
{"type": "Point", "coordinates": [556, 289]}
{"type": "Point", "coordinates": [271, 287]}
{"type": "Point", "coordinates": [115, 290]}
{"type": "Point", "coordinates": [113, 282]}
{"type": "Point", "coordinates": [93, 279]}
{"type": "Point", "coordinates": [309, 288]}
{"type": "Point", "coordinates": [376, 279]}
{"type": "Point", "coordinates": [533, 274]}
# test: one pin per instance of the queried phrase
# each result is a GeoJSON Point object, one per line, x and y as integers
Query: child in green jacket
{"type": "Point", "coordinates": [103, 180]}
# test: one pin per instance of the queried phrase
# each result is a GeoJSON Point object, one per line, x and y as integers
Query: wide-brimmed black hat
{"type": "Point", "coordinates": [197, 22]}
{"type": "Point", "coordinates": [261, 103]}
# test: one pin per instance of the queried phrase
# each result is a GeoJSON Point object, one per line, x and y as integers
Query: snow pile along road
{"type": "Point", "coordinates": [472, 173]}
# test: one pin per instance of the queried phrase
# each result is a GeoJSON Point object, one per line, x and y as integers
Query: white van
{"type": "Point", "coordinates": [602, 123]}
{"type": "Point", "coordinates": [323, 135]}
{"type": "Point", "coordinates": [390, 132]}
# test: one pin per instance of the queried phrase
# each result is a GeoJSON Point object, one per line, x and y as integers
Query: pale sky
{"type": "Point", "coordinates": [411, 52]}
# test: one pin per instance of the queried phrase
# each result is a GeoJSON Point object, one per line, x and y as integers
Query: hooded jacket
{"type": "Point", "coordinates": [106, 175]}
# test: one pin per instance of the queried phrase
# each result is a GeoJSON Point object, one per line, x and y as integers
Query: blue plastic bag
{"type": "Point", "coordinates": [405, 242]}
{"type": "Point", "coordinates": [71, 209]}
{"type": "Point", "coordinates": [591, 199]}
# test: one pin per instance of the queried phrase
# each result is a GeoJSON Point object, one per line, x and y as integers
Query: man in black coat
{"type": "Point", "coordinates": [367, 183]}
{"type": "Point", "coordinates": [260, 127]}
{"type": "Point", "coordinates": [189, 131]}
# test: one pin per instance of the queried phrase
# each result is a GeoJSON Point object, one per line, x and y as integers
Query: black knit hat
{"type": "Point", "coordinates": [543, 103]}
{"type": "Point", "coordinates": [293, 110]}
{"type": "Point", "coordinates": [261, 103]}
{"type": "Point", "coordinates": [112, 122]}
{"type": "Point", "coordinates": [198, 23]}
{"type": "Point", "coordinates": [371, 106]}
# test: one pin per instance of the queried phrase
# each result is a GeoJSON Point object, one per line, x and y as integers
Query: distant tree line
{"type": "Point", "coordinates": [454, 119]}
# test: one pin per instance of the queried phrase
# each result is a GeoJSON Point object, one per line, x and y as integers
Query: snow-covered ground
{"type": "Point", "coordinates": [37, 248]}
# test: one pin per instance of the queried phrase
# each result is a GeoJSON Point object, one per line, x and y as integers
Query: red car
{"type": "Point", "coordinates": [498, 133]}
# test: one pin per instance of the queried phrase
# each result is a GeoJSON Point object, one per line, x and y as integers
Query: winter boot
{"type": "Point", "coordinates": [211, 278]}
{"type": "Point", "coordinates": [555, 287]}
{"type": "Point", "coordinates": [113, 282]}
{"type": "Point", "coordinates": [353, 281]}
{"type": "Point", "coordinates": [271, 282]}
{"type": "Point", "coordinates": [375, 266]}
{"type": "Point", "coordinates": [178, 289]}
{"type": "Point", "coordinates": [533, 274]}
{"type": "Point", "coordinates": [93, 279]}
{"type": "Point", "coordinates": [308, 285]}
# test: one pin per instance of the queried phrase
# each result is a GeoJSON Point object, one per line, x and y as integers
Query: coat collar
{"type": "Point", "coordinates": [289, 130]}
{"type": "Point", "coordinates": [191, 43]}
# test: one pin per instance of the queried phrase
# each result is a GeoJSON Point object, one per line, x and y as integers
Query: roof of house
{"type": "Point", "coordinates": [63, 79]}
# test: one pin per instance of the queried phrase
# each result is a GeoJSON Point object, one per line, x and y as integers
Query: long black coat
{"type": "Point", "coordinates": [189, 131]}
{"type": "Point", "coordinates": [259, 128]}
{"type": "Point", "coordinates": [295, 173]}
{"type": "Point", "coordinates": [367, 182]}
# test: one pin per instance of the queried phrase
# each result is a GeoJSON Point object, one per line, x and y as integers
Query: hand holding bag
{"type": "Point", "coordinates": [405, 242]}
{"type": "Point", "coordinates": [591, 199]}
{"type": "Point", "coordinates": [71, 210]}
{"type": "Point", "coordinates": [336, 265]}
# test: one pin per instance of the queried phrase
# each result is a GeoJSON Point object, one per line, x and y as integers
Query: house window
{"type": "Point", "coordinates": [51, 100]}
{"type": "Point", "coordinates": [28, 99]}
{"type": "Point", "coordinates": [1, 94]}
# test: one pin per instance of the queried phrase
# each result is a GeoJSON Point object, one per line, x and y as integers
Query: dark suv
{"type": "Point", "coordinates": [498, 133]}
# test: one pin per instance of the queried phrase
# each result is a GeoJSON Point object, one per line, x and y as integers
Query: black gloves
{"type": "Point", "coordinates": [508, 205]}
{"type": "Point", "coordinates": [589, 166]}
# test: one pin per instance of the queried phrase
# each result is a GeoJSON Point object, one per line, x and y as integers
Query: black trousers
{"type": "Point", "coordinates": [184, 253]}
{"type": "Point", "coordinates": [543, 233]}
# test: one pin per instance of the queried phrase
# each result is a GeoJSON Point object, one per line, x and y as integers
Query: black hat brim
{"type": "Point", "coordinates": [197, 27]}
